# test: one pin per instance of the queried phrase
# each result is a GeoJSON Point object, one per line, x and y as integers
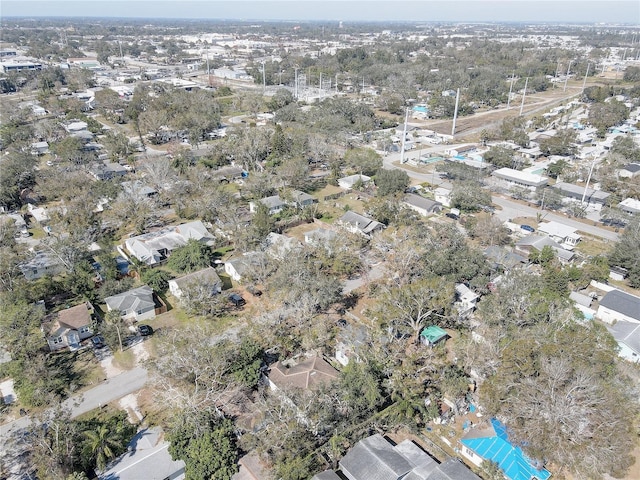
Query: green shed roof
{"type": "Point", "coordinates": [433, 334]}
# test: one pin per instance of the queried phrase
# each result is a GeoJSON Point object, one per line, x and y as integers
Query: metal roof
{"type": "Point", "coordinates": [623, 303]}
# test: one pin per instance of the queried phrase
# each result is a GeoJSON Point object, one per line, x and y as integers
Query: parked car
{"type": "Point", "coordinates": [145, 330]}
{"type": "Point", "coordinates": [528, 228]}
{"type": "Point", "coordinates": [237, 300]}
{"type": "Point", "coordinates": [97, 341]}
{"type": "Point", "coordinates": [452, 216]}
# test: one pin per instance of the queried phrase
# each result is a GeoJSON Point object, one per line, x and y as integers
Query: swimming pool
{"type": "Point", "coordinates": [428, 160]}
{"type": "Point", "coordinates": [420, 108]}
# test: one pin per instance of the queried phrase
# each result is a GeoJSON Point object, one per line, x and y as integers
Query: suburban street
{"type": "Point", "coordinates": [108, 391]}
{"type": "Point", "coordinates": [510, 208]}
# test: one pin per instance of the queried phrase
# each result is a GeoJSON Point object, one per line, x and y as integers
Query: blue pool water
{"type": "Point", "coordinates": [429, 160]}
{"type": "Point", "coordinates": [420, 108]}
{"type": "Point", "coordinates": [459, 157]}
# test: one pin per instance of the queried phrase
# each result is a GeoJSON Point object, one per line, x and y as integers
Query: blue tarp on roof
{"type": "Point", "coordinates": [512, 460]}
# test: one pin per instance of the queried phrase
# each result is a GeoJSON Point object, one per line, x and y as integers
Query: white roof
{"type": "Point", "coordinates": [631, 204]}
{"type": "Point", "coordinates": [556, 229]}
{"type": "Point", "coordinates": [521, 177]}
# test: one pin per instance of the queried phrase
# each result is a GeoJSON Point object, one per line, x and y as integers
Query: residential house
{"type": "Point", "coordinates": [627, 334]}
{"type": "Point", "coordinates": [460, 150]}
{"type": "Point", "coordinates": [466, 299]}
{"type": "Point", "coordinates": [375, 458]}
{"type": "Point", "coordinates": [207, 276]}
{"type": "Point", "coordinates": [532, 153]}
{"type": "Point", "coordinates": [18, 221]}
{"type": "Point", "coordinates": [228, 174]}
{"type": "Point", "coordinates": [349, 339]}
{"type": "Point", "coordinates": [537, 242]}
{"type": "Point", "coordinates": [107, 171]}
{"type": "Point", "coordinates": [307, 374]}
{"type": "Point", "coordinates": [563, 234]}
{"type": "Point", "coordinates": [147, 457]}
{"type": "Point", "coordinates": [356, 223]}
{"type": "Point", "coordinates": [240, 267]}
{"type": "Point", "coordinates": [138, 190]}
{"type": "Point", "coordinates": [492, 444]}
{"type": "Point", "coordinates": [42, 264]}
{"type": "Point", "coordinates": [631, 170]}
{"type": "Point", "coordinates": [320, 236]}
{"type": "Point", "coordinates": [39, 214]}
{"type": "Point", "coordinates": [576, 192]}
{"type": "Point", "coordinates": [349, 182]}
{"type": "Point", "coordinates": [39, 148]}
{"type": "Point", "coordinates": [422, 205]}
{"type": "Point", "coordinates": [69, 327]}
{"type": "Point", "coordinates": [138, 304]}
{"type": "Point", "coordinates": [617, 306]}
{"type": "Point", "coordinates": [510, 178]}
{"type": "Point", "coordinates": [279, 246]}
{"type": "Point", "coordinates": [432, 335]}
{"type": "Point", "coordinates": [302, 199]}
{"type": "Point", "coordinates": [274, 204]}
{"type": "Point", "coordinates": [583, 303]}
{"type": "Point", "coordinates": [503, 258]}
{"type": "Point", "coordinates": [630, 205]}
{"type": "Point", "coordinates": [443, 196]}
{"type": "Point", "coordinates": [154, 248]}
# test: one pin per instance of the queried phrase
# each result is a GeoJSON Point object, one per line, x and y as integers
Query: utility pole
{"type": "Point", "coordinates": [336, 83]}
{"type": "Point", "coordinates": [584, 194]}
{"type": "Point", "coordinates": [455, 114]}
{"type": "Point", "coordinates": [320, 89]}
{"type": "Point", "coordinates": [264, 79]}
{"type": "Point", "coordinates": [510, 89]}
{"type": "Point", "coordinates": [584, 82]}
{"type": "Point", "coordinates": [524, 94]}
{"type": "Point", "coordinates": [404, 135]}
{"type": "Point", "coordinates": [295, 86]}
{"type": "Point", "coordinates": [567, 77]}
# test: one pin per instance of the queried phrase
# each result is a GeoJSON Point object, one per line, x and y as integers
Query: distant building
{"type": "Point", "coordinates": [522, 179]}
{"type": "Point", "coordinates": [349, 182]}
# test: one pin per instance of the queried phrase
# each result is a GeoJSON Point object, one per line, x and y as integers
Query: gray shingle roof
{"type": "Point", "coordinates": [137, 299]}
{"type": "Point", "coordinates": [623, 303]}
{"type": "Point", "coordinates": [374, 458]}
{"type": "Point", "coordinates": [627, 333]}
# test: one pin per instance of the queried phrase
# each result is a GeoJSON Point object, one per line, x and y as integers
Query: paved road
{"type": "Point", "coordinates": [108, 391]}
{"type": "Point", "coordinates": [510, 208]}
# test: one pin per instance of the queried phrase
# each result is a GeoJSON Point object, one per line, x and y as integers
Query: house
{"type": "Point", "coordinates": [576, 192]}
{"type": "Point", "coordinates": [566, 236]}
{"type": "Point", "coordinates": [302, 199]}
{"type": "Point", "coordinates": [42, 264]}
{"type": "Point", "coordinates": [492, 443]}
{"type": "Point", "coordinates": [39, 214]}
{"type": "Point", "coordinates": [138, 190]}
{"type": "Point", "coordinates": [511, 178]}
{"type": "Point", "coordinates": [307, 374]}
{"type": "Point", "coordinates": [443, 196]}
{"type": "Point", "coordinates": [39, 148]}
{"type": "Point", "coordinates": [423, 206]}
{"type": "Point", "coordinates": [138, 304]}
{"type": "Point", "coordinates": [154, 248]}
{"type": "Point", "coordinates": [320, 236]}
{"type": "Point", "coordinates": [107, 171]}
{"type": "Point", "coordinates": [228, 174]}
{"type": "Point", "coordinates": [618, 306]}
{"type": "Point", "coordinates": [18, 221]}
{"type": "Point", "coordinates": [279, 246]}
{"type": "Point", "coordinates": [69, 327]}
{"type": "Point", "coordinates": [631, 170]}
{"type": "Point", "coordinates": [630, 205]}
{"type": "Point", "coordinates": [466, 299]}
{"type": "Point", "coordinates": [349, 182]}
{"type": "Point", "coordinates": [375, 458]}
{"type": "Point", "coordinates": [240, 267]}
{"type": "Point", "coordinates": [349, 339]}
{"type": "Point", "coordinates": [537, 242]}
{"type": "Point", "coordinates": [460, 150]}
{"type": "Point", "coordinates": [356, 223]}
{"type": "Point", "coordinates": [274, 204]}
{"type": "Point", "coordinates": [207, 276]}
{"type": "Point", "coordinates": [432, 334]}
{"type": "Point", "coordinates": [503, 258]}
{"type": "Point", "coordinates": [147, 457]}
{"type": "Point", "coordinates": [627, 334]}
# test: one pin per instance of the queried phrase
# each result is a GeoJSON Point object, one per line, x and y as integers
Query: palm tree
{"type": "Point", "coordinates": [102, 445]}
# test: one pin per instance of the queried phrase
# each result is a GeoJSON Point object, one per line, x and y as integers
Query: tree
{"type": "Point", "coordinates": [157, 279]}
{"type": "Point", "coordinates": [206, 443]}
{"type": "Point", "coordinates": [469, 196]}
{"type": "Point", "coordinates": [192, 256]}
{"type": "Point", "coordinates": [626, 252]}
{"type": "Point", "coordinates": [489, 230]}
{"type": "Point", "coordinates": [500, 156]}
{"type": "Point", "coordinates": [198, 298]}
{"type": "Point", "coordinates": [102, 445]}
{"type": "Point", "coordinates": [114, 324]}
{"type": "Point", "coordinates": [389, 182]}
{"type": "Point", "coordinates": [363, 160]}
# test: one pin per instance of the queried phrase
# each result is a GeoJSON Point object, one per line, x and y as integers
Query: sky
{"type": "Point", "coordinates": [574, 11]}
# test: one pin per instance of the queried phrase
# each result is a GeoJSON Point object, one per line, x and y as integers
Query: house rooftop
{"type": "Point", "coordinates": [309, 373]}
{"type": "Point", "coordinates": [433, 334]}
{"type": "Point", "coordinates": [622, 302]}
{"type": "Point", "coordinates": [136, 299]}
{"type": "Point", "coordinates": [208, 274]}
{"type": "Point", "coordinates": [76, 317]}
